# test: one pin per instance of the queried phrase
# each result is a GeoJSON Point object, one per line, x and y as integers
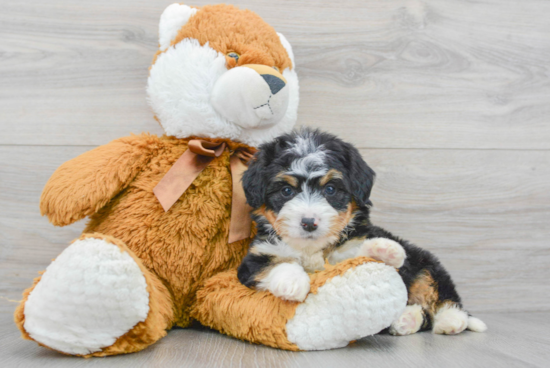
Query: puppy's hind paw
{"type": "Point", "coordinates": [450, 320]}
{"type": "Point", "coordinates": [287, 281]}
{"type": "Point", "coordinates": [386, 250]}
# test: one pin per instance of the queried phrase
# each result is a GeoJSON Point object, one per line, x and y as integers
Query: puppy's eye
{"type": "Point", "coordinates": [287, 192]}
{"type": "Point", "coordinates": [234, 55]}
{"type": "Point", "coordinates": [330, 190]}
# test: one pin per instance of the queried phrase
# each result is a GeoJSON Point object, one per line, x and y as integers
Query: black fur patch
{"type": "Point", "coordinates": [262, 188]}
{"type": "Point", "coordinates": [252, 265]}
{"type": "Point", "coordinates": [277, 156]}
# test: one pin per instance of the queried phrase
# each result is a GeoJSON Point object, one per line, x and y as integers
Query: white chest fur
{"type": "Point", "coordinates": [313, 262]}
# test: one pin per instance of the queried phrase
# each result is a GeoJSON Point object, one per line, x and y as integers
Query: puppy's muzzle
{"type": "Point", "coordinates": [251, 96]}
{"type": "Point", "coordinates": [308, 224]}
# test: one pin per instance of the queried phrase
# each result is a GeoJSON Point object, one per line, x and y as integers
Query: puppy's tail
{"type": "Point", "coordinates": [476, 325]}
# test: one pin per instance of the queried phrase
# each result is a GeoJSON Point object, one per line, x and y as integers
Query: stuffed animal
{"type": "Point", "coordinates": [168, 224]}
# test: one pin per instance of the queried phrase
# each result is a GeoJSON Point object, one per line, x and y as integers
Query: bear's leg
{"type": "Point", "coordinates": [95, 299]}
{"type": "Point", "coordinates": [348, 301]}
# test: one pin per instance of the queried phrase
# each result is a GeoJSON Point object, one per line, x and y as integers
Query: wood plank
{"type": "Point", "coordinates": [484, 213]}
{"type": "Point", "coordinates": [28, 242]}
{"type": "Point", "coordinates": [404, 73]}
{"type": "Point", "coordinates": [513, 340]}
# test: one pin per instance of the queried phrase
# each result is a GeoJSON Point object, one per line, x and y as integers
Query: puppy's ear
{"type": "Point", "coordinates": [361, 178]}
{"type": "Point", "coordinates": [254, 181]}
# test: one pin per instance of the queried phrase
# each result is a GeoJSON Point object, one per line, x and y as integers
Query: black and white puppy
{"type": "Point", "coordinates": [310, 194]}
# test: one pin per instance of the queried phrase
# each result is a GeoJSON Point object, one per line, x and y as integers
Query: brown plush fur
{"type": "Point", "coordinates": [161, 312]}
{"type": "Point", "coordinates": [228, 29]}
{"type": "Point", "coordinates": [183, 253]}
{"type": "Point", "coordinates": [144, 333]}
{"type": "Point", "coordinates": [257, 316]}
{"type": "Point", "coordinates": [318, 279]}
{"type": "Point", "coordinates": [19, 315]}
{"type": "Point", "coordinates": [177, 250]}
{"type": "Point", "coordinates": [231, 308]}
{"type": "Point", "coordinates": [183, 246]}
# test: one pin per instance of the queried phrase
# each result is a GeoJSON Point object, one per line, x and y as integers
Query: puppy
{"type": "Point", "coordinates": [310, 197]}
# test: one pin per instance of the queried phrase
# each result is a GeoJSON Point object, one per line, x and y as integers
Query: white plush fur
{"type": "Point", "coordinates": [409, 322]}
{"type": "Point", "coordinates": [287, 281]}
{"type": "Point", "coordinates": [450, 320]}
{"type": "Point", "coordinates": [476, 325]}
{"type": "Point", "coordinates": [179, 88]}
{"type": "Point", "coordinates": [244, 98]}
{"type": "Point", "coordinates": [172, 19]}
{"type": "Point", "coordinates": [89, 296]}
{"type": "Point", "coordinates": [361, 302]}
{"type": "Point", "coordinates": [287, 47]}
{"type": "Point", "coordinates": [182, 81]}
{"type": "Point", "coordinates": [255, 137]}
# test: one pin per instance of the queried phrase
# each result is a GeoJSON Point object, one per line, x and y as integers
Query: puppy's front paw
{"type": "Point", "coordinates": [386, 250]}
{"type": "Point", "coordinates": [409, 322]}
{"type": "Point", "coordinates": [287, 281]}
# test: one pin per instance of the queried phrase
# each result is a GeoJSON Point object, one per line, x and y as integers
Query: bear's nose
{"type": "Point", "coordinates": [275, 83]}
{"type": "Point", "coordinates": [251, 96]}
{"type": "Point", "coordinates": [308, 224]}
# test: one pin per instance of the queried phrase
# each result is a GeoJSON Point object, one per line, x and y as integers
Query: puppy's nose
{"type": "Point", "coordinates": [308, 224]}
{"type": "Point", "coordinates": [275, 83]}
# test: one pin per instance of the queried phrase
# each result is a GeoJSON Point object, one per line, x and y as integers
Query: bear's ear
{"type": "Point", "coordinates": [287, 47]}
{"type": "Point", "coordinates": [172, 19]}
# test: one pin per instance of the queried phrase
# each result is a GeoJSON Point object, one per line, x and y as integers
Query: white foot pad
{"type": "Point", "coordinates": [89, 296]}
{"type": "Point", "coordinates": [450, 321]}
{"type": "Point", "coordinates": [409, 322]}
{"type": "Point", "coordinates": [386, 250]}
{"type": "Point", "coordinates": [361, 302]}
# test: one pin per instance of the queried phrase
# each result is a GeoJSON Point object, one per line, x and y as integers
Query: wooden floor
{"type": "Point", "coordinates": [513, 340]}
{"type": "Point", "coordinates": [449, 102]}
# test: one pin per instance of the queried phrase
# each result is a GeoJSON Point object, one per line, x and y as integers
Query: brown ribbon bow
{"type": "Point", "coordinates": [186, 169]}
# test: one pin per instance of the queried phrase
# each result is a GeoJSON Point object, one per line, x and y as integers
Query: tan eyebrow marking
{"type": "Point", "coordinates": [331, 174]}
{"type": "Point", "coordinates": [288, 178]}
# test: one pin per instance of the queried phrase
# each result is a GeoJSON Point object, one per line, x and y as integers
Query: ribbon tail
{"type": "Point", "coordinates": [180, 176]}
{"type": "Point", "coordinates": [241, 223]}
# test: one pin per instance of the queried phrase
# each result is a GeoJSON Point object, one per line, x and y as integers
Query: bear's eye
{"type": "Point", "coordinates": [287, 192]}
{"type": "Point", "coordinates": [330, 190]}
{"type": "Point", "coordinates": [234, 55]}
{"type": "Point", "coordinates": [277, 69]}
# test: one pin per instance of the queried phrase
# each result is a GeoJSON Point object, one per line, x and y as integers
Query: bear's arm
{"type": "Point", "coordinates": [81, 186]}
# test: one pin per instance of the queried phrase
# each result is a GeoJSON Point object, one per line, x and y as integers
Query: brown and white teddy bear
{"type": "Point", "coordinates": [163, 238]}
